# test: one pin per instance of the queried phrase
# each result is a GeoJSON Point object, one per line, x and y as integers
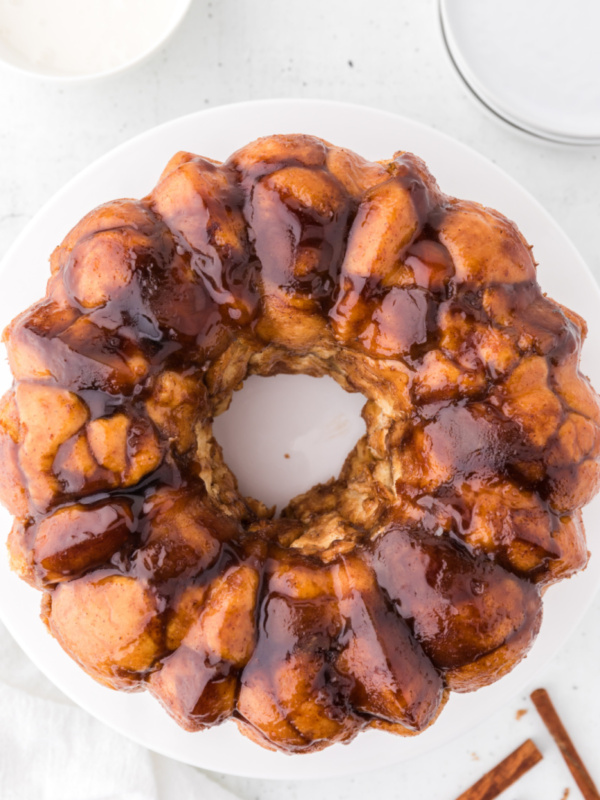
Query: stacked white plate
{"type": "Point", "coordinates": [535, 63]}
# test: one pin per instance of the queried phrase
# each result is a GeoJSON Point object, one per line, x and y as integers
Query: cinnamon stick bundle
{"type": "Point", "coordinates": [543, 703]}
{"type": "Point", "coordinates": [504, 774]}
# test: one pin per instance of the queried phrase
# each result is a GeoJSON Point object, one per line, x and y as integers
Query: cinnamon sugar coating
{"type": "Point", "coordinates": [415, 572]}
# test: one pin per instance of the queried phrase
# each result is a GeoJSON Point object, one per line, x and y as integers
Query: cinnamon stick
{"type": "Point", "coordinates": [543, 703]}
{"type": "Point", "coordinates": [504, 774]}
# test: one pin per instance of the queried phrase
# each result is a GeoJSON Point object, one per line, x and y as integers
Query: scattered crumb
{"type": "Point", "coordinates": [474, 757]}
{"type": "Point", "coordinates": [350, 63]}
{"type": "Point", "coordinates": [566, 793]}
{"type": "Point", "coordinates": [520, 713]}
{"type": "Point", "coordinates": [286, 455]}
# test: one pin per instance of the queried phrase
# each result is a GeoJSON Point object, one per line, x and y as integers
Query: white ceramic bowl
{"type": "Point", "coordinates": [16, 60]}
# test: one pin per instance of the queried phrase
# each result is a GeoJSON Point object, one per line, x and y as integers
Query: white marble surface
{"type": "Point", "coordinates": [385, 54]}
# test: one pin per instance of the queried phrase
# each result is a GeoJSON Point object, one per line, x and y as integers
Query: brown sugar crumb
{"type": "Point", "coordinates": [286, 455]}
{"type": "Point", "coordinates": [474, 757]}
{"type": "Point", "coordinates": [566, 793]}
{"type": "Point", "coordinates": [520, 713]}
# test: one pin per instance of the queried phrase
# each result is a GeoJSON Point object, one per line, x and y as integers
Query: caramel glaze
{"type": "Point", "coordinates": [419, 568]}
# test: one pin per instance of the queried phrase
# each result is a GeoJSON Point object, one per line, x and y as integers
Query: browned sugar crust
{"type": "Point", "coordinates": [419, 568]}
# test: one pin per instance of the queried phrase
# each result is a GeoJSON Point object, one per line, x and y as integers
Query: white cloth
{"type": "Point", "coordinates": [52, 750]}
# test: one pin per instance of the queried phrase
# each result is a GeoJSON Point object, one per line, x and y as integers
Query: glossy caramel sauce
{"type": "Point", "coordinates": [419, 568]}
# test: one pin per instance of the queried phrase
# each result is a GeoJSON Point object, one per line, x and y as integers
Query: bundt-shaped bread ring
{"type": "Point", "coordinates": [419, 569]}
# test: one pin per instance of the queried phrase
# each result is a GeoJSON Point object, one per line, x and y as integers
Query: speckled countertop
{"type": "Point", "coordinates": [384, 54]}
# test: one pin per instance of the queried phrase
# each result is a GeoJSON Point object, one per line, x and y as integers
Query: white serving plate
{"type": "Point", "coordinates": [131, 170]}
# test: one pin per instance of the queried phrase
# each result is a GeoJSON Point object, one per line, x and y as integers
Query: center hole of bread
{"type": "Point", "coordinates": [284, 434]}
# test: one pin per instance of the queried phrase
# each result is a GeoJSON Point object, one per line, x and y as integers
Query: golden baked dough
{"type": "Point", "coordinates": [419, 569]}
